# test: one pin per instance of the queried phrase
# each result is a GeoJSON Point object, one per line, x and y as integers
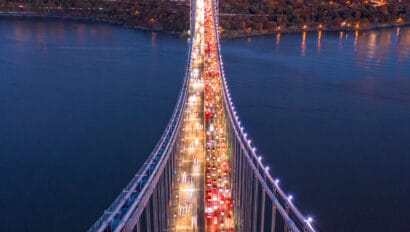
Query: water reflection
{"type": "Point", "coordinates": [372, 48]}
{"type": "Point", "coordinates": [277, 39]}
{"type": "Point", "coordinates": [153, 39]}
{"type": "Point", "coordinates": [20, 31]}
{"type": "Point", "coordinates": [403, 45]}
{"type": "Point", "coordinates": [370, 43]}
{"type": "Point", "coordinates": [356, 36]}
{"type": "Point", "coordinates": [341, 40]}
{"type": "Point", "coordinates": [319, 39]}
{"type": "Point", "coordinates": [303, 44]}
{"type": "Point", "coordinates": [375, 47]}
{"type": "Point", "coordinates": [58, 31]}
{"type": "Point", "coordinates": [80, 32]}
{"type": "Point", "coordinates": [40, 32]}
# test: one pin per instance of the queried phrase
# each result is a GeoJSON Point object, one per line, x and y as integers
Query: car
{"type": "Point", "coordinates": [215, 220]}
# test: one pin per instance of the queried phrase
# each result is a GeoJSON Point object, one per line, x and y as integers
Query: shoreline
{"type": "Point", "coordinates": [28, 15]}
{"type": "Point", "coordinates": [178, 34]}
{"type": "Point", "coordinates": [369, 28]}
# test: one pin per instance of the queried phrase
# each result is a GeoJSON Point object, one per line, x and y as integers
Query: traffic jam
{"type": "Point", "coordinates": [218, 196]}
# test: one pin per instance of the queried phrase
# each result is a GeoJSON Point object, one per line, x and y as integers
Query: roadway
{"type": "Point", "coordinates": [202, 198]}
{"type": "Point", "coordinates": [219, 213]}
{"type": "Point", "coordinates": [187, 197]}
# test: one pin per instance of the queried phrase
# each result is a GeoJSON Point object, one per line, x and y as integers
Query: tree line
{"type": "Point", "coordinates": [237, 17]}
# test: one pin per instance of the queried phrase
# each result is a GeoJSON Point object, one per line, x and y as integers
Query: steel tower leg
{"type": "Point", "coordinates": [160, 204]}
{"type": "Point", "coordinates": [163, 202]}
{"type": "Point", "coordinates": [263, 211]}
{"type": "Point", "coordinates": [255, 205]}
{"type": "Point", "coordinates": [273, 220]}
{"type": "Point", "coordinates": [287, 226]}
{"type": "Point", "coordinates": [249, 201]}
{"type": "Point", "coordinates": [240, 178]}
{"type": "Point", "coordinates": [148, 215]}
{"type": "Point", "coordinates": [168, 193]}
{"type": "Point", "coordinates": [244, 195]}
{"type": "Point", "coordinates": [155, 210]}
{"type": "Point", "coordinates": [138, 226]}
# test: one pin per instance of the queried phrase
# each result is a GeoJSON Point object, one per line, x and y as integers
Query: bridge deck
{"type": "Point", "coordinates": [195, 176]}
{"type": "Point", "coordinates": [187, 197]}
{"type": "Point", "coordinates": [202, 197]}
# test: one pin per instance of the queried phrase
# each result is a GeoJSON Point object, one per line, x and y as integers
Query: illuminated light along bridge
{"type": "Point", "coordinates": [204, 174]}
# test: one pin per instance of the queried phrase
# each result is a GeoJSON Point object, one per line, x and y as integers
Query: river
{"type": "Point", "coordinates": [82, 105]}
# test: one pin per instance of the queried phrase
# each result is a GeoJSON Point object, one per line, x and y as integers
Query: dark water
{"type": "Point", "coordinates": [82, 105]}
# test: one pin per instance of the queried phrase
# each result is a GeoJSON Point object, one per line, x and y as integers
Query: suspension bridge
{"type": "Point", "coordinates": [204, 173]}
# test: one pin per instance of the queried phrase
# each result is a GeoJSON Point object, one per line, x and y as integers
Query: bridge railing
{"type": "Point", "coordinates": [283, 203]}
{"type": "Point", "coordinates": [124, 205]}
{"type": "Point", "coordinates": [141, 180]}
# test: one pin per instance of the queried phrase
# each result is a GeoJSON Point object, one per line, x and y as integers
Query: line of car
{"type": "Point", "coordinates": [218, 196]}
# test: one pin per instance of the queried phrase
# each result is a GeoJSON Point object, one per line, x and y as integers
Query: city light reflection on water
{"type": "Point", "coordinates": [371, 47]}
{"type": "Point", "coordinates": [303, 44]}
{"type": "Point", "coordinates": [277, 39]}
{"type": "Point", "coordinates": [319, 41]}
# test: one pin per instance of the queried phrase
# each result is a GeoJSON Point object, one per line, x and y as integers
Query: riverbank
{"type": "Point", "coordinates": [224, 34]}
{"type": "Point", "coordinates": [28, 15]}
{"type": "Point", "coordinates": [344, 29]}
{"type": "Point", "coordinates": [237, 18]}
